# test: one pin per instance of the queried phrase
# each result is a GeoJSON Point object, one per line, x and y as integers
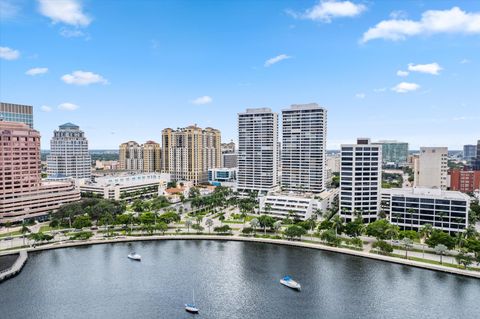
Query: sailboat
{"type": "Point", "coordinates": [290, 283]}
{"type": "Point", "coordinates": [192, 308]}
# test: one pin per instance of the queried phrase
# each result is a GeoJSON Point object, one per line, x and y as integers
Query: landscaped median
{"type": "Point", "coordinates": [303, 244]}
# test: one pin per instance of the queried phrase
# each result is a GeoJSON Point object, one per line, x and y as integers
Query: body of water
{"type": "Point", "coordinates": [231, 280]}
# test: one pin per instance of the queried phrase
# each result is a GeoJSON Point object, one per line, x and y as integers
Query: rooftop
{"type": "Point", "coordinates": [426, 192]}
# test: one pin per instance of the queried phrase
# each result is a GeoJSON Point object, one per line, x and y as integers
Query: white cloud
{"type": "Point", "coordinates": [402, 73]}
{"type": "Point", "coordinates": [431, 68]}
{"type": "Point", "coordinates": [9, 54]}
{"type": "Point", "coordinates": [83, 78]}
{"type": "Point", "coordinates": [276, 59]}
{"type": "Point", "coordinates": [398, 14]}
{"type": "Point", "coordinates": [46, 108]}
{"type": "Point", "coordinates": [405, 87]}
{"type": "Point", "coordinates": [71, 33]}
{"type": "Point", "coordinates": [379, 90]}
{"type": "Point", "coordinates": [64, 11]}
{"type": "Point", "coordinates": [36, 71]}
{"type": "Point", "coordinates": [465, 61]}
{"type": "Point", "coordinates": [68, 106]}
{"type": "Point", "coordinates": [8, 10]}
{"type": "Point", "coordinates": [360, 96]}
{"type": "Point", "coordinates": [327, 10]}
{"type": "Point", "coordinates": [202, 100]}
{"type": "Point", "coordinates": [454, 20]}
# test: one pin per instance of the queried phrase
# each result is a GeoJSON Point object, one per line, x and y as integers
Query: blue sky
{"type": "Point", "coordinates": [124, 70]}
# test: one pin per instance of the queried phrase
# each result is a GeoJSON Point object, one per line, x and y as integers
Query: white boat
{"type": "Point", "coordinates": [290, 283]}
{"type": "Point", "coordinates": [134, 256]}
{"type": "Point", "coordinates": [191, 307]}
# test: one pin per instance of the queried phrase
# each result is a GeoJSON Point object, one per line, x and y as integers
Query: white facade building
{"type": "Point", "coordinates": [303, 148]}
{"type": "Point", "coordinates": [223, 177]}
{"type": "Point", "coordinates": [431, 168]}
{"type": "Point", "coordinates": [127, 186]}
{"type": "Point", "coordinates": [69, 156]}
{"type": "Point", "coordinates": [257, 150]}
{"type": "Point", "coordinates": [360, 180]}
{"type": "Point", "coordinates": [411, 208]}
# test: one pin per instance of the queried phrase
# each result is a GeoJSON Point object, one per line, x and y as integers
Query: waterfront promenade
{"type": "Point", "coordinates": [300, 244]}
{"type": "Point", "coordinates": [16, 267]}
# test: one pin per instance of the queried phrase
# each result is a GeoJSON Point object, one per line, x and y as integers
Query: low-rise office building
{"type": "Point", "coordinates": [127, 186]}
{"type": "Point", "coordinates": [223, 177]}
{"type": "Point", "coordinates": [412, 208]}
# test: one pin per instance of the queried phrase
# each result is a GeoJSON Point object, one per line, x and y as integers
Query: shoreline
{"type": "Point", "coordinates": [412, 263]}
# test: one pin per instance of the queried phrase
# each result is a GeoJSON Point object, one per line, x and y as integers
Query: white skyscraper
{"type": "Point", "coordinates": [303, 148]}
{"type": "Point", "coordinates": [69, 156]}
{"type": "Point", "coordinates": [360, 180]}
{"type": "Point", "coordinates": [257, 150]}
{"type": "Point", "coordinates": [431, 168]}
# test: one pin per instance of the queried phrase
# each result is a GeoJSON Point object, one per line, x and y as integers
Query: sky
{"type": "Point", "coordinates": [124, 70]}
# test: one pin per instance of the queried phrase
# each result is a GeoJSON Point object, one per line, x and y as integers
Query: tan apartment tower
{"type": "Point", "coordinates": [188, 153]}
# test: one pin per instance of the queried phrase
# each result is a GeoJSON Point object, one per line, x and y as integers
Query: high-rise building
{"type": "Point", "coordinates": [152, 161]}
{"type": "Point", "coordinates": [360, 180]}
{"type": "Point", "coordinates": [469, 152]}
{"type": "Point", "coordinates": [23, 195]}
{"type": "Point", "coordinates": [431, 168]}
{"type": "Point", "coordinates": [476, 162]}
{"type": "Point", "coordinates": [131, 156]}
{"type": "Point", "coordinates": [465, 181]}
{"type": "Point", "coordinates": [188, 153]}
{"type": "Point", "coordinates": [394, 152]}
{"type": "Point", "coordinates": [303, 148]}
{"type": "Point", "coordinates": [230, 160]}
{"type": "Point", "coordinates": [16, 113]}
{"type": "Point", "coordinates": [69, 156]}
{"type": "Point", "coordinates": [257, 150]}
{"type": "Point", "coordinates": [228, 148]}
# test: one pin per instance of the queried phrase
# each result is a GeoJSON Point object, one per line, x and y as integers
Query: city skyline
{"type": "Point", "coordinates": [119, 80]}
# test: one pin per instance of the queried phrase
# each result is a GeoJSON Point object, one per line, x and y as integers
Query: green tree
{"type": "Point", "coordinates": [440, 249]}
{"type": "Point", "coordinates": [426, 231]}
{"type": "Point", "coordinates": [410, 234]}
{"type": "Point", "coordinates": [330, 236]}
{"type": "Point", "coordinates": [266, 221]}
{"type": "Point", "coordinates": [82, 221]}
{"type": "Point", "coordinates": [354, 228]}
{"type": "Point", "coordinates": [440, 237]}
{"type": "Point", "coordinates": [25, 230]}
{"type": "Point", "coordinates": [294, 231]}
{"type": "Point", "coordinates": [407, 243]}
{"type": "Point", "coordinates": [383, 246]}
{"type": "Point", "coordinates": [392, 232]}
{"type": "Point", "coordinates": [277, 225]}
{"type": "Point", "coordinates": [188, 224]}
{"type": "Point", "coordinates": [222, 229]}
{"type": "Point", "coordinates": [337, 224]}
{"type": "Point", "coordinates": [464, 259]}
{"type": "Point", "coordinates": [209, 224]}
{"type": "Point", "coordinates": [254, 223]}
{"type": "Point", "coordinates": [378, 229]}
{"type": "Point", "coordinates": [162, 227]}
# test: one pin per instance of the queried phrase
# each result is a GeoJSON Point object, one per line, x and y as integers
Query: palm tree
{"type": "Point", "coordinates": [407, 243]}
{"type": "Point", "coordinates": [268, 208]}
{"type": "Point", "coordinates": [337, 222]}
{"type": "Point", "coordinates": [254, 223]}
{"type": "Point", "coordinates": [277, 225]}
{"type": "Point", "coordinates": [410, 212]}
{"type": "Point", "coordinates": [426, 231]}
{"type": "Point", "coordinates": [391, 232]}
{"type": "Point", "coordinates": [209, 224]}
{"type": "Point", "coordinates": [441, 249]}
{"type": "Point", "coordinates": [24, 231]}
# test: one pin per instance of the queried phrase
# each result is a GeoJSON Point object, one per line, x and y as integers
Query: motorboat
{"type": "Point", "coordinates": [290, 283]}
{"type": "Point", "coordinates": [134, 256]}
{"type": "Point", "coordinates": [191, 307]}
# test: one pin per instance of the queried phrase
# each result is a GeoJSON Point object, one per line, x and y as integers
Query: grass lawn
{"type": "Point", "coordinates": [435, 262]}
{"type": "Point", "coordinates": [10, 234]}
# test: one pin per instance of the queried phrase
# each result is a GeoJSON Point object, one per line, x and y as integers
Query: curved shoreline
{"type": "Point", "coordinates": [282, 242]}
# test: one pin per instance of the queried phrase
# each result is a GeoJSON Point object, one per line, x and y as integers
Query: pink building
{"type": "Point", "coordinates": [23, 195]}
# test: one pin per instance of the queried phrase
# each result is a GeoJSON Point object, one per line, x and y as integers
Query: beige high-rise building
{"type": "Point", "coordinates": [152, 161]}
{"type": "Point", "coordinates": [131, 156]}
{"type": "Point", "coordinates": [141, 158]}
{"type": "Point", "coordinates": [188, 153]}
{"type": "Point", "coordinates": [431, 168]}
